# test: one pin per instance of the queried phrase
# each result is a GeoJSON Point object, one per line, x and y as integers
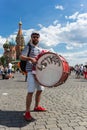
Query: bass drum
{"type": "Point", "coordinates": [52, 70]}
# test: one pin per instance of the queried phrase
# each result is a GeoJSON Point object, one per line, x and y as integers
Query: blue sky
{"type": "Point", "coordinates": [62, 25]}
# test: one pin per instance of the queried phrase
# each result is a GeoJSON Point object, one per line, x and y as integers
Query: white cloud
{"type": "Point", "coordinates": [74, 16]}
{"type": "Point", "coordinates": [76, 58]}
{"type": "Point", "coordinates": [73, 34]}
{"type": "Point", "coordinates": [2, 40]}
{"type": "Point", "coordinates": [55, 22]}
{"type": "Point", "coordinates": [81, 5]}
{"type": "Point", "coordinates": [59, 7]}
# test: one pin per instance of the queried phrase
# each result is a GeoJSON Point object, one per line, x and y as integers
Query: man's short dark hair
{"type": "Point", "coordinates": [35, 33]}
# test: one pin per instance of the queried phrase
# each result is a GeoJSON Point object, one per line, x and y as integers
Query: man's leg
{"type": "Point", "coordinates": [37, 98]}
{"type": "Point", "coordinates": [31, 89]}
{"type": "Point", "coordinates": [28, 101]}
{"type": "Point", "coordinates": [27, 114]}
{"type": "Point", "coordinates": [37, 101]}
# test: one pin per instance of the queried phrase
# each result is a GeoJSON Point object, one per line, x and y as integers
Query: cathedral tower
{"type": "Point", "coordinates": [20, 41]}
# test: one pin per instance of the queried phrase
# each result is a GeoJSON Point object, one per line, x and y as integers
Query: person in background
{"type": "Point", "coordinates": [32, 83]}
{"type": "Point", "coordinates": [9, 68]}
{"type": "Point", "coordinates": [85, 72]}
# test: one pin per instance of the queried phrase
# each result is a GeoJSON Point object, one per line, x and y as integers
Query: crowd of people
{"type": "Point", "coordinates": [80, 70]}
{"type": "Point", "coordinates": [6, 72]}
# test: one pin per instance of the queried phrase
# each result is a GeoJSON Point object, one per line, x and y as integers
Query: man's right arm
{"type": "Point", "coordinates": [24, 56]}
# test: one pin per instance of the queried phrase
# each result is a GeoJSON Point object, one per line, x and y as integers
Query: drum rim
{"type": "Point", "coordinates": [50, 86]}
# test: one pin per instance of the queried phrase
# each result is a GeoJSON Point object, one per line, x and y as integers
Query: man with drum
{"type": "Point", "coordinates": [32, 83]}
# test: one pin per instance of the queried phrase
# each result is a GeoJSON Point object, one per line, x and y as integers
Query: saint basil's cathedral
{"type": "Point", "coordinates": [13, 48]}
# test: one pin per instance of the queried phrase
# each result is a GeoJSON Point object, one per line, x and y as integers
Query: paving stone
{"type": "Point", "coordinates": [80, 128]}
{"type": "Point", "coordinates": [54, 129]}
{"type": "Point", "coordinates": [83, 123]}
{"type": "Point", "coordinates": [2, 128]}
{"type": "Point", "coordinates": [67, 128]}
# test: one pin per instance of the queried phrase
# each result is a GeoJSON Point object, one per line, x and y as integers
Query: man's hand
{"type": "Point", "coordinates": [33, 60]}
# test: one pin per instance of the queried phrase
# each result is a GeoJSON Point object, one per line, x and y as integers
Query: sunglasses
{"type": "Point", "coordinates": [35, 37]}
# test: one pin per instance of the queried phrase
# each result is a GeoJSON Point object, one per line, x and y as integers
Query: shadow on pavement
{"type": "Point", "coordinates": [13, 119]}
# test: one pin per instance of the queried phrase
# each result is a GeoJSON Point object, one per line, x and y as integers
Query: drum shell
{"type": "Point", "coordinates": [65, 73]}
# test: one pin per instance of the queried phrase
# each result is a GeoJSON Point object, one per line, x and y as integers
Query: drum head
{"type": "Point", "coordinates": [49, 69]}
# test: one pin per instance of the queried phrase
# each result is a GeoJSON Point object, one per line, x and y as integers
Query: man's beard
{"type": "Point", "coordinates": [35, 42]}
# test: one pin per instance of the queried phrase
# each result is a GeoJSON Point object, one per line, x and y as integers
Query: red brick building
{"type": "Point", "coordinates": [13, 48]}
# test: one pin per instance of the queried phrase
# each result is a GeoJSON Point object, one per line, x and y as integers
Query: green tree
{"type": "Point", "coordinates": [3, 60]}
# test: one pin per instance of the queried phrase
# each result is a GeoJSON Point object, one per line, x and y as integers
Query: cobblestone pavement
{"type": "Point", "coordinates": [66, 106]}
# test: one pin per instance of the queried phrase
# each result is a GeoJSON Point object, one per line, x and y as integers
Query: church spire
{"type": "Point", "coordinates": [20, 41]}
{"type": "Point", "coordinates": [20, 28]}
